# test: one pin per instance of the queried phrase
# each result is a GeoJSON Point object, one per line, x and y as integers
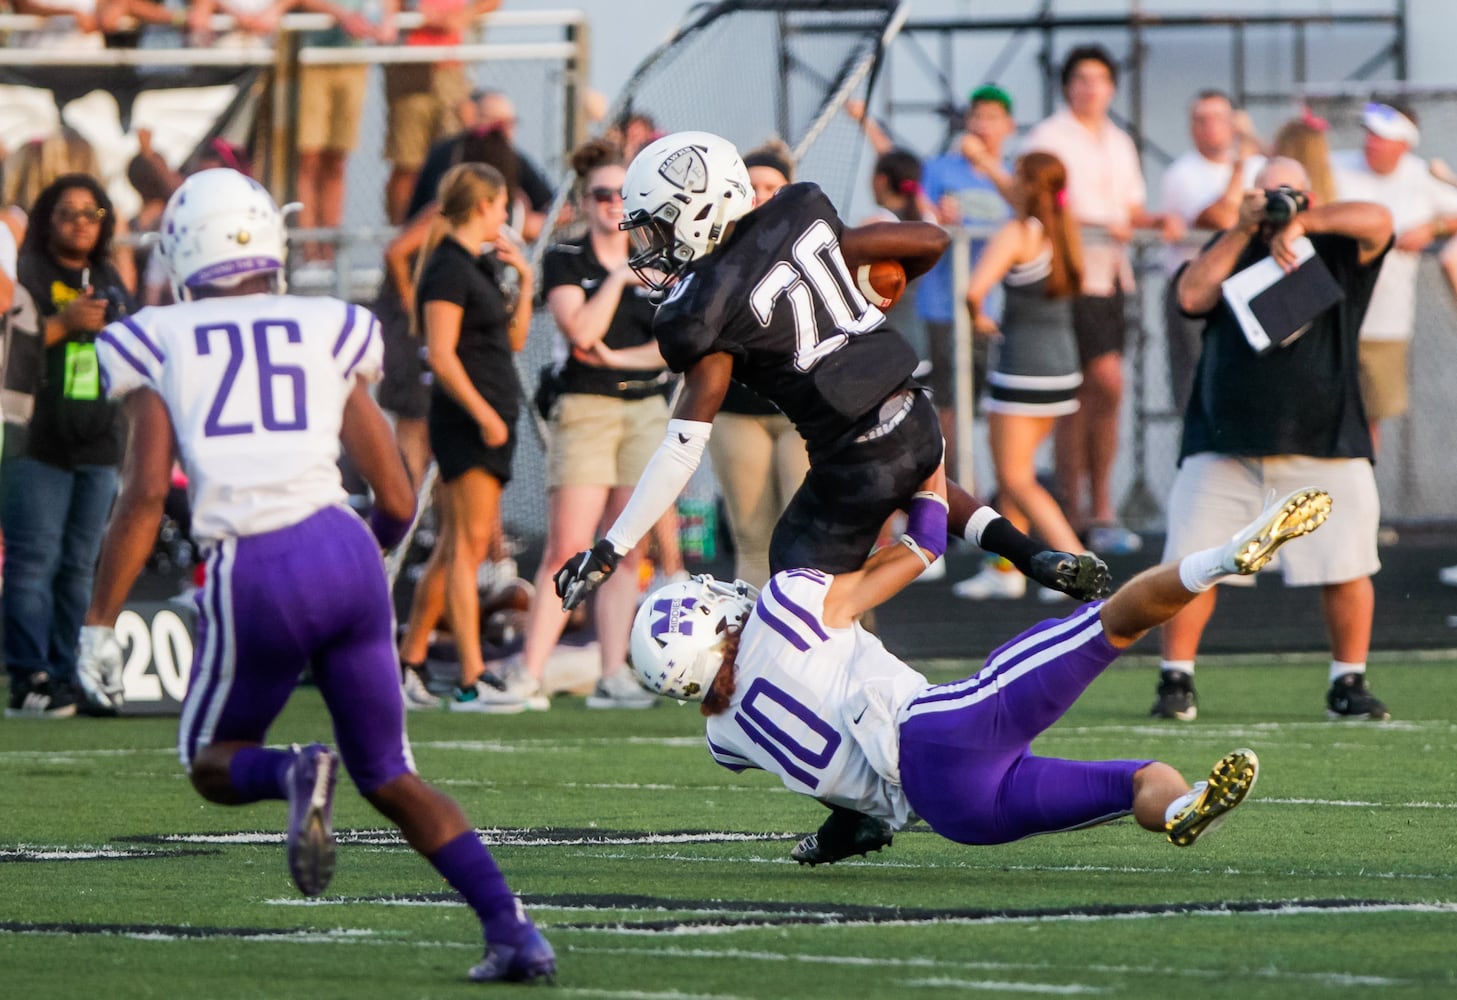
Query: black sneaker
{"type": "Point", "coordinates": [1176, 697]}
{"type": "Point", "coordinates": [1350, 698]}
{"type": "Point", "coordinates": [40, 696]}
{"type": "Point", "coordinates": [846, 833]}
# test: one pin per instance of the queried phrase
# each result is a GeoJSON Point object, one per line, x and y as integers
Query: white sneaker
{"type": "Point", "coordinates": [992, 584]}
{"type": "Point", "coordinates": [412, 686]}
{"type": "Point", "coordinates": [621, 690]}
{"type": "Point", "coordinates": [1448, 576]}
{"type": "Point", "coordinates": [519, 692]}
{"type": "Point", "coordinates": [1049, 596]}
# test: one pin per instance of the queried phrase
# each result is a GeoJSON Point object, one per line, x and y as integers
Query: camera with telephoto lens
{"type": "Point", "coordinates": [115, 303]}
{"type": "Point", "coordinates": [1284, 203]}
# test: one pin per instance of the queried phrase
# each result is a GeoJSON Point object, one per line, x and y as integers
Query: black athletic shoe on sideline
{"type": "Point", "coordinates": [845, 834]}
{"type": "Point", "coordinates": [40, 696]}
{"type": "Point", "coordinates": [1177, 698]}
{"type": "Point", "coordinates": [1350, 698]}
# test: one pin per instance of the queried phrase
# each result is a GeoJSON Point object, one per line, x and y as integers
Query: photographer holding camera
{"type": "Point", "coordinates": [59, 476]}
{"type": "Point", "coordinates": [1272, 422]}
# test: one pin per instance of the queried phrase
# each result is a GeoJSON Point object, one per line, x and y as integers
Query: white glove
{"type": "Point", "coordinates": [99, 661]}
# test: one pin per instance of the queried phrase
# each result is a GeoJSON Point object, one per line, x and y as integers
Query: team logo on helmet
{"type": "Point", "coordinates": [686, 169]}
{"type": "Point", "coordinates": [673, 620]}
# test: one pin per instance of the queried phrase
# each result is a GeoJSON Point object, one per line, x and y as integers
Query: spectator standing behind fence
{"type": "Point", "coordinates": [1106, 189]}
{"type": "Point", "coordinates": [757, 455]}
{"type": "Point", "coordinates": [471, 329]}
{"type": "Point", "coordinates": [495, 119]}
{"type": "Point", "coordinates": [605, 423]}
{"type": "Point", "coordinates": [1423, 209]}
{"type": "Point", "coordinates": [1203, 188]}
{"type": "Point", "coordinates": [58, 479]}
{"type": "Point", "coordinates": [963, 186]}
{"type": "Point", "coordinates": [1257, 424]}
{"type": "Point", "coordinates": [330, 106]}
{"type": "Point", "coordinates": [423, 99]}
{"type": "Point", "coordinates": [1037, 258]}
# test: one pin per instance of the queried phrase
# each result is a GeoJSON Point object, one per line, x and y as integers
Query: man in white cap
{"type": "Point", "coordinates": [1424, 209]}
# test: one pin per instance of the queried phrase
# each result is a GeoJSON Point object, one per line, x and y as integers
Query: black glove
{"type": "Point", "coordinates": [1085, 577]}
{"type": "Point", "coordinates": [584, 573]}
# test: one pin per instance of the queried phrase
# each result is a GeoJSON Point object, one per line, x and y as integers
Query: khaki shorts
{"type": "Point", "coordinates": [1214, 496]}
{"type": "Point", "coordinates": [602, 440]}
{"type": "Point", "coordinates": [422, 103]}
{"type": "Point", "coordinates": [1384, 379]}
{"type": "Point", "coordinates": [330, 104]}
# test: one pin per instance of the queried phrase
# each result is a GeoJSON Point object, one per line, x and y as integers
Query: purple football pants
{"type": "Point", "coordinates": [314, 592]}
{"type": "Point", "coordinates": [964, 747]}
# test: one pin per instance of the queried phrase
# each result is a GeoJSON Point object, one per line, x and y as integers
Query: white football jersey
{"type": "Point", "coordinates": [255, 386]}
{"type": "Point", "coordinates": [816, 705]}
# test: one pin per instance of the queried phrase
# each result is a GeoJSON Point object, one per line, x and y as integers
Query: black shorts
{"type": "Point", "coordinates": [832, 521]}
{"type": "Point", "coordinates": [456, 440]}
{"type": "Point", "coordinates": [405, 388]}
{"type": "Point", "coordinates": [1099, 324]}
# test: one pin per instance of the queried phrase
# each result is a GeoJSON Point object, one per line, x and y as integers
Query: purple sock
{"type": "Point", "coordinates": [471, 871]}
{"type": "Point", "coordinates": [257, 774]}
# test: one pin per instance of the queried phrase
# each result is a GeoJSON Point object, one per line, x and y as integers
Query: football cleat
{"type": "Point", "coordinates": [310, 783]}
{"type": "Point", "coordinates": [524, 962]}
{"type": "Point", "coordinates": [845, 834]}
{"type": "Point", "coordinates": [1230, 781]}
{"type": "Point", "coordinates": [1298, 514]}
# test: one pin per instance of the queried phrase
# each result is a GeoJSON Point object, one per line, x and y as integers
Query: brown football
{"type": "Point", "coordinates": [882, 282]}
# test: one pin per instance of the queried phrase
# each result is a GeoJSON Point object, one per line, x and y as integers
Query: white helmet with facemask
{"type": "Point", "coordinates": [680, 194]}
{"type": "Point", "coordinates": [682, 631]}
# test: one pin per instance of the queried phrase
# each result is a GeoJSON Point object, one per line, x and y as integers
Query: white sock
{"type": "Point", "coordinates": [1199, 571]}
{"type": "Point", "coordinates": [1183, 801]}
{"type": "Point", "coordinates": [1340, 669]}
{"type": "Point", "coordinates": [1177, 667]}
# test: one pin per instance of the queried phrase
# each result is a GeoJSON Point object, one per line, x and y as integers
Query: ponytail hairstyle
{"type": "Point", "coordinates": [590, 156]}
{"type": "Point", "coordinates": [463, 187]}
{"type": "Point", "coordinates": [1044, 198]}
{"type": "Point", "coordinates": [902, 172]}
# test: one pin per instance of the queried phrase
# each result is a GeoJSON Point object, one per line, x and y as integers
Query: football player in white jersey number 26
{"type": "Point", "coordinates": [259, 389]}
{"type": "Point", "coordinates": [792, 685]}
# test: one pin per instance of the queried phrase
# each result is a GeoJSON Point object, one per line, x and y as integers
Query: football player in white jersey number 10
{"type": "Point", "coordinates": [791, 684]}
{"type": "Point", "coordinates": [259, 389]}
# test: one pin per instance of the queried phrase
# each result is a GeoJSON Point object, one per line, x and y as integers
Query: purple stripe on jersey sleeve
{"type": "Point", "coordinates": [780, 626]}
{"type": "Point", "coordinates": [349, 316]}
{"type": "Point", "coordinates": [727, 758]}
{"type": "Point", "coordinates": [111, 341]}
{"type": "Point", "coordinates": [359, 355]}
{"type": "Point", "coordinates": [807, 574]}
{"type": "Point", "coordinates": [140, 334]}
{"type": "Point", "coordinates": [796, 610]}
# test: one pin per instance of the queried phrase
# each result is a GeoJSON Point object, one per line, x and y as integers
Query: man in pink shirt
{"type": "Point", "coordinates": [1105, 190]}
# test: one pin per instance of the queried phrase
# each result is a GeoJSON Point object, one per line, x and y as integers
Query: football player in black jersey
{"type": "Point", "coordinates": [765, 296]}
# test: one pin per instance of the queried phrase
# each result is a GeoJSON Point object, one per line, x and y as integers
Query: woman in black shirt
{"type": "Point", "coordinates": [59, 475]}
{"type": "Point", "coordinates": [472, 327]}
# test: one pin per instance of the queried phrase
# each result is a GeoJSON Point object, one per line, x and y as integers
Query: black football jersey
{"type": "Point", "coordinates": [779, 297]}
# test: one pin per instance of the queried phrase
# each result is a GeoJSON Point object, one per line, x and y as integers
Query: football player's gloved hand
{"type": "Point", "coordinates": [98, 668]}
{"type": "Point", "coordinates": [584, 573]}
{"type": "Point", "coordinates": [1083, 576]}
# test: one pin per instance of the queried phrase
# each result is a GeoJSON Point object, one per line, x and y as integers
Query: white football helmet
{"type": "Point", "coordinates": [679, 634]}
{"type": "Point", "coordinates": [219, 227]}
{"type": "Point", "coordinates": [678, 197]}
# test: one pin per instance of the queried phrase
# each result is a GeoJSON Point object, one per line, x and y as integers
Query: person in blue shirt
{"type": "Point", "coordinates": [967, 186]}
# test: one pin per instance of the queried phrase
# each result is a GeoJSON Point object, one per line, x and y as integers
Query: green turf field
{"type": "Point", "coordinates": [657, 874]}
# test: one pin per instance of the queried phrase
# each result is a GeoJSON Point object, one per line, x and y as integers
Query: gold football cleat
{"type": "Point", "coordinates": [1298, 514]}
{"type": "Point", "coordinates": [1230, 781]}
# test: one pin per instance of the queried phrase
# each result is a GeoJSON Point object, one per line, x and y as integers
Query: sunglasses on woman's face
{"type": "Point", "coordinates": [604, 196]}
{"type": "Point", "coordinates": [69, 215]}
